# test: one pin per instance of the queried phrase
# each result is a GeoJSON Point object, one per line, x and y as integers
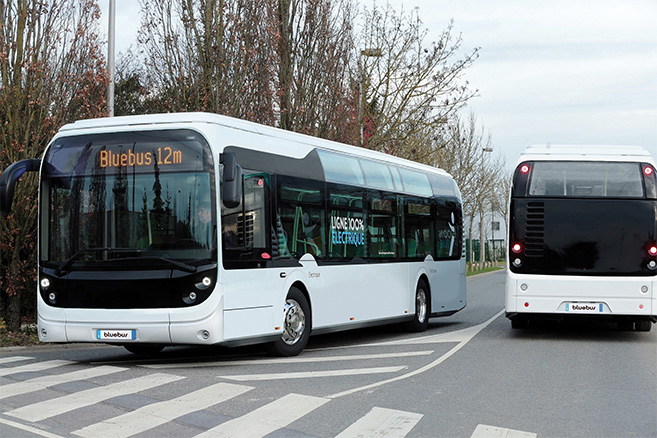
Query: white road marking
{"type": "Point", "coordinates": [50, 408]}
{"type": "Point", "coordinates": [156, 414]}
{"type": "Point", "coordinates": [381, 422]}
{"type": "Point", "coordinates": [40, 383]}
{"type": "Point", "coordinates": [314, 374]}
{"type": "Point", "coordinates": [37, 366]}
{"type": "Point", "coordinates": [461, 336]}
{"type": "Point", "coordinates": [483, 431]}
{"type": "Point", "coordinates": [30, 429]}
{"type": "Point", "coordinates": [267, 419]}
{"type": "Point", "coordinates": [10, 359]}
{"type": "Point", "coordinates": [289, 360]}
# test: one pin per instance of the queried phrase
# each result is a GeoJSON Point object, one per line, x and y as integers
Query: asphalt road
{"type": "Point", "coordinates": [469, 375]}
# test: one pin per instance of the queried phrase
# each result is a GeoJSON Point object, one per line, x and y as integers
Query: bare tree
{"type": "Point", "coordinates": [315, 52]}
{"type": "Point", "coordinates": [211, 55]}
{"type": "Point", "coordinates": [466, 154]}
{"type": "Point", "coordinates": [410, 88]}
{"type": "Point", "coordinates": [52, 71]}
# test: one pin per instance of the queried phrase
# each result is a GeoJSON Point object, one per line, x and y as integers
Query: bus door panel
{"type": "Point", "coordinates": [447, 284]}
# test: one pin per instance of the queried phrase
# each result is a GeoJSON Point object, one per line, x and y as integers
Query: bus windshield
{"type": "Point", "coordinates": [129, 199]}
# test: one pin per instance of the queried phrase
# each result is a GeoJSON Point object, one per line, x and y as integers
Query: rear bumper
{"type": "Point", "coordinates": [609, 297]}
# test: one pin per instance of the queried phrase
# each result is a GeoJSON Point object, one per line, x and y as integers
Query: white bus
{"type": "Point", "coordinates": [583, 236]}
{"type": "Point", "coordinates": [201, 229]}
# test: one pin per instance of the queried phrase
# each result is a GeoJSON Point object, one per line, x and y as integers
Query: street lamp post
{"type": "Point", "coordinates": [371, 52]}
{"type": "Point", "coordinates": [110, 57]}
{"type": "Point", "coordinates": [482, 227]}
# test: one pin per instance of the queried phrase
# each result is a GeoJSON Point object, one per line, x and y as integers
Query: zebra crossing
{"type": "Point", "coordinates": [266, 419]}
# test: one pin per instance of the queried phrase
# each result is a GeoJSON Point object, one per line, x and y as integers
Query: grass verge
{"type": "Point", "coordinates": [484, 270]}
{"type": "Point", "coordinates": [26, 336]}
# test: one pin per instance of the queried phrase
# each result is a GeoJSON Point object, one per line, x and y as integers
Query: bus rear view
{"type": "Point", "coordinates": [583, 236]}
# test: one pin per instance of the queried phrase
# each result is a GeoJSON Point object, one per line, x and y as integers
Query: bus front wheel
{"type": "Point", "coordinates": [420, 321]}
{"type": "Point", "coordinates": [296, 326]}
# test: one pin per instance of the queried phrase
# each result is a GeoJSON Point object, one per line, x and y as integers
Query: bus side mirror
{"type": "Point", "coordinates": [10, 177]}
{"type": "Point", "coordinates": [231, 187]}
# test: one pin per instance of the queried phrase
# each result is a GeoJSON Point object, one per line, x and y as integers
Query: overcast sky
{"type": "Point", "coordinates": [557, 71]}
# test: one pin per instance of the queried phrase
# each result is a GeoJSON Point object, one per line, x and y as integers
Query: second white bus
{"type": "Point", "coordinates": [583, 236]}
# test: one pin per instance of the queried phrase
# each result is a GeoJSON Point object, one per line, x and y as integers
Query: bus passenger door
{"type": "Point", "coordinates": [249, 245]}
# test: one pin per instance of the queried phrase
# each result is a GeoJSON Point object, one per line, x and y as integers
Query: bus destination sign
{"type": "Point", "coordinates": [160, 155]}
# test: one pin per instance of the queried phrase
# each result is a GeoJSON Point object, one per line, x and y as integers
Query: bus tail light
{"type": "Point", "coordinates": [518, 247]}
{"type": "Point", "coordinates": [524, 168]}
{"type": "Point", "coordinates": [652, 250]}
{"type": "Point", "coordinates": [649, 180]}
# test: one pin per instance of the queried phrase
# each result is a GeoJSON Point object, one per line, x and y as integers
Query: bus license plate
{"type": "Point", "coordinates": [116, 335]}
{"type": "Point", "coordinates": [585, 307]}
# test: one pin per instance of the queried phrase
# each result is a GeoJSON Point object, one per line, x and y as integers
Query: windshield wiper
{"type": "Point", "coordinates": [180, 265]}
{"type": "Point", "coordinates": [67, 264]}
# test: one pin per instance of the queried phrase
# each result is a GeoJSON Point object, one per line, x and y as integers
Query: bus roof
{"type": "Point", "coordinates": [585, 153]}
{"type": "Point", "coordinates": [156, 121]}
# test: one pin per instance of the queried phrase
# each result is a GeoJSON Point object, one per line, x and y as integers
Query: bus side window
{"type": "Point", "coordinates": [302, 218]}
{"type": "Point", "coordinates": [418, 226]}
{"type": "Point", "coordinates": [347, 227]}
{"type": "Point", "coordinates": [448, 230]}
{"type": "Point", "coordinates": [383, 224]}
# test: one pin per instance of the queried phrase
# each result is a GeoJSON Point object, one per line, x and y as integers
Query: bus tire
{"type": "Point", "coordinates": [420, 321]}
{"type": "Point", "coordinates": [297, 324]}
{"type": "Point", "coordinates": [144, 349]}
{"type": "Point", "coordinates": [519, 322]}
{"type": "Point", "coordinates": [643, 326]}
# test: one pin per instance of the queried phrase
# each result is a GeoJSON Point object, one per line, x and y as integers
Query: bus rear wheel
{"type": "Point", "coordinates": [420, 321]}
{"type": "Point", "coordinates": [296, 326]}
{"type": "Point", "coordinates": [643, 326]}
{"type": "Point", "coordinates": [519, 322]}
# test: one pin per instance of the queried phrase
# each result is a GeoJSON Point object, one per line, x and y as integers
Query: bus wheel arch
{"type": "Point", "coordinates": [422, 311]}
{"type": "Point", "coordinates": [297, 323]}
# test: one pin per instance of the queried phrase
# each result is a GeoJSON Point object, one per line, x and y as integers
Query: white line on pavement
{"type": "Point", "coordinates": [484, 431]}
{"type": "Point", "coordinates": [288, 360]}
{"type": "Point", "coordinates": [267, 419]}
{"type": "Point", "coordinates": [314, 374]}
{"type": "Point", "coordinates": [156, 414]}
{"type": "Point", "coordinates": [464, 337]}
{"type": "Point", "coordinates": [381, 422]}
{"type": "Point", "coordinates": [50, 408]}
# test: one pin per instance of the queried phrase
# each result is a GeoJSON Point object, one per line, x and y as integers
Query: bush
{"type": "Point", "coordinates": [27, 335]}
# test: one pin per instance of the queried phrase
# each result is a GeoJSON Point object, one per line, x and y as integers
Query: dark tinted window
{"type": "Point", "coordinates": [586, 179]}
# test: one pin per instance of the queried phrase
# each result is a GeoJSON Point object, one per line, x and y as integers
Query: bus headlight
{"type": "Point", "coordinates": [52, 297]}
{"type": "Point", "coordinates": [204, 284]}
{"type": "Point", "coordinates": [45, 283]}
